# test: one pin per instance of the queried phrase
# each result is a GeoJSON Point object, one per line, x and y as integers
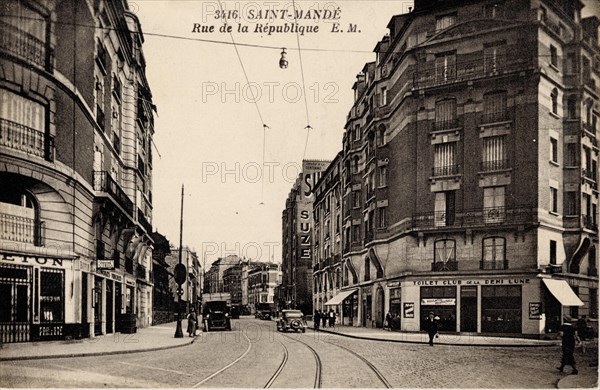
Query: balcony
{"type": "Point", "coordinates": [589, 222]}
{"type": "Point", "coordinates": [494, 165]}
{"type": "Point", "coordinates": [494, 117]}
{"type": "Point", "coordinates": [144, 221]}
{"type": "Point", "coordinates": [447, 170]}
{"type": "Point", "coordinates": [445, 125]}
{"type": "Point", "coordinates": [103, 182]}
{"type": "Point", "coordinates": [473, 218]}
{"type": "Point", "coordinates": [430, 77]}
{"type": "Point", "coordinates": [21, 229]}
{"type": "Point", "coordinates": [24, 45]}
{"type": "Point", "coordinates": [26, 139]}
{"type": "Point", "coordinates": [447, 266]}
{"type": "Point", "coordinates": [493, 265]}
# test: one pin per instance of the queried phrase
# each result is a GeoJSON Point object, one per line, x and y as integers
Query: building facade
{"type": "Point", "coordinates": [192, 287]}
{"type": "Point", "coordinates": [327, 237]}
{"type": "Point", "coordinates": [262, 281]}
{"type": "Point", "coordinates": [163, 298]}
{"type": "Point", "coordinates": [470, 180]}
{"type": "Point", "coordinates": [76, 125]}
{"type": "Point", "coordinates": [232, 283]}
{"type": "Point", "coordinates": [297, 222]}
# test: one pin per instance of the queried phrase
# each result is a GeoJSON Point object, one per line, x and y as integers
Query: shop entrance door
{"type": "Point", "coordinates": [380, 315]}
{"type": "Point", "coordinates": [97, 295]}
{"type": "Point", "coordinates": [109, 306]}
{"type": "Point", "coordinates": [367, 311]}
{"type": "Point", "coordinates": [15, 304]}
{"type": "Point", "coordinates": [468, 309]}
{"type": "Point", "coordinates": [118, 306]}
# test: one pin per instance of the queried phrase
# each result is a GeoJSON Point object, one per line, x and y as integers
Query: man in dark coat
{"type": "Point", "coordinates": [317, 319]}
{"type": "Point", "coordinates": [569, 339]}
{"type": "Point", "coordinates": [324, 319]}
{"type": "Point", "coordinates": [431, 327]}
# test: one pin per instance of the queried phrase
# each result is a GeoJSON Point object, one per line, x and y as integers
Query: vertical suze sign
{"type": "Point", "coordinates": [311, 173]}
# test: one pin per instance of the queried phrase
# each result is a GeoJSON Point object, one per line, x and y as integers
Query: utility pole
{"type": "Point", "coordinates": [180, 273]}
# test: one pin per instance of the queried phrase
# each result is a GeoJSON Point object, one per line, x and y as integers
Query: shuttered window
{"type": "Point", "coordinates": [444, 21]}
{"type": "Point", "coordinates": [445, 114]}
{"type": "Point", "coordinates": [444, 159]}
{"type": "Point", "coordinates": [25, 112]}
{"type": "Point", "coordinates": [494, 153]}
{"type": "Point", "coordinates": [494, 107]}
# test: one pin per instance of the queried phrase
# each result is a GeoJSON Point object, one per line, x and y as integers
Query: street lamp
{"type": "Point", "coordinates": [180, 273]}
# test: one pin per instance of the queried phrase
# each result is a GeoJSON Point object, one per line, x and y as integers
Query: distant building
{"type": "Point", "coordinates": [262, 281]}
{"type": "Point", "coordinates": [297, 221]}
{"type": "Point", "coordinates": [232, 283]}
{"type": "Point", "coordinates": [192, 289]}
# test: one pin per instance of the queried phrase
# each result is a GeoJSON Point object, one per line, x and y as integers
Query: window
{"type": "Point", "coordinates": [384, 96]}
{"type": "Point", "coordinates": [444, 208]}
{"type": "Point", "coordinates": [552, 252]}
{"type": "Point", "coordinates": [586, 69]}
{"type": "Point", "coordinates": [444, 159]}
{"type": "Point", "coordinates": [553, 56]}
{"type": "Point", "coordinates": [381, 137]}
{"type": "Point", "coordinates": [554, 200]}
{"type": "Point", "coordinates": [572, 107]}
{"type": "Point", "coordinates": [382, 217]}
{"type": "Point", "coordinates": [571, 203]}
{"type": "Point", "coordinates": [492, 11]}
{"type": "Point", "coordinates": [492, 55]}
{"type": "Point", "coordinates": [494, 107]}
{"type": "Point", "coordinates": [356, 133]}
{"type": "Point", "coordinates": [554, 97]}
{"type": "Point", "coordinates": [445, 253]}
{"type": "Point", "coordinates": [51, 295]}
{"type": "Point", "coordinates": [23, 124]}
{"type": "Point", "coordinates": [543, 14]}
{"type": "Point", "coordinates": [445, 114]}
{"type": "Point", "coordinates": [382, 176]}
{"type": "Point", "coordinates": [571, 155]}
{"type": "Point", "coordinates": [29, 39]}
{"type": "Point", "coordinates": [445, 66]}
{"type": "Point", "coordinates": [445, 21]}
{"type": "Point", "coordinates": [367, 268]}
{"type": "Point", "coordinates": [355, 233]}
{"type": "Point", "coordinates": [494, 253]}
{"type": "Point", "coordinates": [494, 154]}
{"type": "Point", "coordinates": [355, 165]}
{"type": "Point", "coordinates": [554, 150]}
{"type": "Point", "coordinates": [493, 204]}
{"type": "Point", "coordinates": [355, 199]}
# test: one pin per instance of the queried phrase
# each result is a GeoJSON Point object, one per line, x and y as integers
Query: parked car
{"type": "Point", "coordinates": [291, 320]}
{"type": "Point", "coordinates": [216, 315]}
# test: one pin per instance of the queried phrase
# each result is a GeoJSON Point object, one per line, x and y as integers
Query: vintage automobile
{"type": "Point", "coordinates": [264, 311]}
{"type": "Point", "coordinates": [291, 320]}
{"type": "Point", "coordinates": [216, 315]}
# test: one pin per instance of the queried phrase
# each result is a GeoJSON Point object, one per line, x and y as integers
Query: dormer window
{"type": "Point", "coordinates": [444, 21]}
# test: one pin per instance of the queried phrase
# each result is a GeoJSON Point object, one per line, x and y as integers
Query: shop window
{"type": "Point", "coordinates": [51, 296]}
{"type": "Point", "coordinates": [442, 302]}
{"type": "Point", "coordinates": [501, 309]}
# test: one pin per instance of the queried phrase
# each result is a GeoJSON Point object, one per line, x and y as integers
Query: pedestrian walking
{"type": "Point", "coordinates": [569, 340]}
{"type": "Point", "coordinates": [582, 328]}
{"type": "Point", "coordinates": [388, 321]}
{"type": "Point", "coordinates": [324, 319]}
{"type": "Point", "coordinates": [331, 318]}
{"type": "Point", "coordinates": [192, 322]}
{"type": "Point", "coordinates": [431, 327]}
{"type": "Point", "coordinates": [317, 319]}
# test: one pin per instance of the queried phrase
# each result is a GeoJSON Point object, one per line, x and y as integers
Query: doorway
{"type": "Point", "coordinates": [109, 306]}
{"type": "Point", "coordinates": [468, 309]}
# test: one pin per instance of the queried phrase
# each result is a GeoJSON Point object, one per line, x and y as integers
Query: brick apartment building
{"type": "Point", "coordinates": [76, 127]}
{"type": "Point", "coordinates": [469, 178]}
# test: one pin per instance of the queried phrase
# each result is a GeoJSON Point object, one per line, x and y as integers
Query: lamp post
{"type": "Point", "coordinates": [180, 273]}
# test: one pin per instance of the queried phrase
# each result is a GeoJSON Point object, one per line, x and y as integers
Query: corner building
{"type": "Point", "coordinates": [76, 126]}
{"type": "Point", "coordinates": [470, 180]}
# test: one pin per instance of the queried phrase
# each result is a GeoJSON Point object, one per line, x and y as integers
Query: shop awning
{"type": "Point", "coordinates": [340, 297]}
{"type": "Point", "coordinates": [563, 292]}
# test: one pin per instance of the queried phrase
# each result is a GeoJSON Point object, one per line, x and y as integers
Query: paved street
{"type": "Point", "coordinates": [255, 355]}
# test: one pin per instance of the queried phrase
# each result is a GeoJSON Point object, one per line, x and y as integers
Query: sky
{"type": "Point", "coordinates": [209, 133]}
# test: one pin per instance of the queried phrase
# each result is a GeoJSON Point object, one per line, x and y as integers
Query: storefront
{"type": "Point", "coordinates": [33, 297]}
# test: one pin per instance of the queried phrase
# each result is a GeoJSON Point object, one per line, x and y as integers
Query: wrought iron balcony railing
{"type": "Point", "coordinates": [25, 139]}
{"type": "Point", "coordinates": [493, 264]}
{"type": "Point", "coordinates": [444, 266]}
{"type": "Point", "coordinates": [445, 170]}
{"type": "Point", "coordinates": [430, 76]}
{"type": "Point", "coordinates": [473, 217]}
{"type": "Point", "coordinates": [494, 165]}
{"type": "Point", "coordinates": [494, 117]}
{"type": "Point", "coordinates": [24, 45]}
{"type": "Point", "coordinates": [439, 125]}
{"type": "Point", "coordinates": [103, 182]}
{"type": "Point", "coordinates": [21, 229]}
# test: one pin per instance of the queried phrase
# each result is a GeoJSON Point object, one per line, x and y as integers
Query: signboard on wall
{"type": "Point", "coordinates": [409, 310]}
{"type": "Point", "coordinates": [535, 310]}
{"type": "Point", "coordinates": [438, 301]}
{"type": "Point", "coordinates": [105, 264]}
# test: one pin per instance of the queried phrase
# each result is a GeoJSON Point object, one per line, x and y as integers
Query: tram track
{"type": "Point", "coordinates": [318, 363]}
{"type": "Point", "coordinates": [280, 368]}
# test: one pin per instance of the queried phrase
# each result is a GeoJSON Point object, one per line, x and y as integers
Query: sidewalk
{"type": "Point", "coordinates": [422, 338]}
{"type": "Point", "coordinates": [153, 338]}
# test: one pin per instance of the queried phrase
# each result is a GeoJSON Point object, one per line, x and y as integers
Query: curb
{"type": "Point", "coordinates": [72, 355]}
{"type": "Point", "coordinates": [453, 344]}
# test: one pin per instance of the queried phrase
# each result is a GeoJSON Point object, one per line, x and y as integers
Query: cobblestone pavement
{"type": "Point", "coordinates": [249, 355]}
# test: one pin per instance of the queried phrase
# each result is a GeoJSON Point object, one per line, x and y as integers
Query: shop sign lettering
{"type": "Point", "coordinates": [304, 236]}
{"type": "Point", "coordinates": [32, 260]}
{"type": "Point", "coordinates": [438, 301]}
{"type": "Point", "coordinates": [470, 282]}
{"type": "Point", "coordinates": [105, 264]}
{"type": "Point", "coordinates": [51, 330]}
